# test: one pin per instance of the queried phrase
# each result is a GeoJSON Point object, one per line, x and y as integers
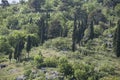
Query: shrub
{"type": "Point", "coordinates": [27, 73]}
{"type": "Point", "coordinates": [51, 62]}
{"type": "Point", "coordinates": [38, 61]}
{"type": "Point", "coordinates": [84, 71]}
{"type": "Point", "coordinates": [15, 36]}
{"type": "Point", "coordinates": [107, 69]}
{"type": "Point", "coordinates": [5, 46]}
{"type": "Point", "coordinates": [79, 74]}
{"type": "Point", "coordinates": [58, 43]}
{"type": "Point", "coordinates": [65, 67]}
{"type": "Point", "coordinates": [98, 30]}
{"type": "Point", "coordinates": [34, 39]}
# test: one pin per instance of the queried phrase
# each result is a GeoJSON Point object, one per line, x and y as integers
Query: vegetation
{"type": "Point", "coordinates": [62, 39]}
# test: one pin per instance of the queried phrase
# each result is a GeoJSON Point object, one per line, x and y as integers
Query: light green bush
{"type": "Point", "coordinates": [38, 60]}
{"type": "Point", "coordinates": [98, 30]}
{"type": "Point", "coordinates": [51, 62]}
{"type": "Point", "coordinates": [65, 67]}
{"type": "Point", "coordinates": [58, 43]}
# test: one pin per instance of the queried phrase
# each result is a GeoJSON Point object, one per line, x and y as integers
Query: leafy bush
{"type": "Point", "coordinates": [27, 73]}
{"type": "Point", "coordinates": [117, 9]}
{"type": "Point", "coordinates": [65, 67]}
{"type": "Point", "coordinates": [98, 30]}
{"type": "Point", "coordinates": [38, 60]}
{"type": "Point", "coordinates": [107, 69]}
{"type": "Point", "coordinates": [84, 71]}
{"type": "Point", "coordinates": [58, 43]}
{"type": "Point", "coordinates": [4, 31]}
{"type": "Point", "coordinates": [34, 39]}
{"type": "Point", "coordinates": [51, 62]}
{"type": "Point", "coordinates": [15, 36]}
{"type": "Point", "coordinates": [5, 46]}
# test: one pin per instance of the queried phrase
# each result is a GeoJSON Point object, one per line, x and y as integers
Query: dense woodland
{"type": "Point", "coordinates": [77, 39]}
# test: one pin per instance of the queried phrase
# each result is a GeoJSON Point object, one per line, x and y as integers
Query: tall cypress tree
{"type": "Point", "coordinates": [41, 32]}
{"type": "Point", "coordinates": [116, 40]}
{"type": "Point", "coordinates": [28, 45]}
{"type": "Point", "coordinates": [18, 49]}
{"type": "Point", "coordinates": [10, 56]}
{"type": "Point", "coordinates": [91, 31]}
{"type": "Point", "coordinates": [74, 34]}
{"type": "Point", "coordinates": [80, 32]}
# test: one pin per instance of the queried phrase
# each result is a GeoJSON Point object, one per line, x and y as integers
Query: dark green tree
{"type": "Point", "coordinates": [42, 29]}
{"type": "Point", "coordinates": [5, 3]}
{"type": "Point", "coordinates": [80, 24]}
{"type": "Point", "coordinates": [22, 1]}
{"type": "Point", "coordinates": [74, 33]}
{"type": "Point", "coordinates": [91, 30]}
{"type": "Point", "coordinates": [36, 4]}
{"type": "Point", "coordinates": [116, 40]}
{"type": "Point", "coordinates": [10, 56]}
{"type": "Point", "coordinates": [55, 29]}
{"type": "Point", "coordinates": [28, 45]}
{"type": "Point", "coordinates": [80, 32]}
{"type": "Point", "coordinates": [18, 49]}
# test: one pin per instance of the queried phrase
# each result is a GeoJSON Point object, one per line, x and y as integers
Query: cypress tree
{"type": "Point", "coordinates": [116, 39]}
{"type": "Point", "coordinates": [80, 32]}
{"type": "Point", "coordinates": [18, 49]}
{"type": "Point", "coordinates": [28, 45]}
{"type": "Point", "coordinates": [74, 34]}
{"type": "Point", "coordinates": [15, 51]}
{"type": "Point", "coordinates": [91, 30]}
{"type": "Point", "coordinates": [41, 32]}
{"type": "Point", "coordinates": [10, 56]}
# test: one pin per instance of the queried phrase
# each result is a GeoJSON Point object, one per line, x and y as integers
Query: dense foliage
{"type": "Point", "coordinates": [74, 28]}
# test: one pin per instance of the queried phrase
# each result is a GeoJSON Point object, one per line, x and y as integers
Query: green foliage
{"type": "Point", "coordinates": [42, 29]}
{"type": "Point", "coordinates": [91, 30]}
{"type": "Point", "coordinates": [98, 30]}
{"type": "Point", "coordinates": [51, 62]}
{"type": "Point", "coordinates": [15, 36]}
{"type": "Point", "coordinates": [65, 67]}
{"type": "Point", "coordinates": [84, 71]}
{"type": "Point", "coordinates": [55, 30]}
{"type": "Point", "coordinates": [4, 31]}
{"type": "Point", "coordinates": [27, 73]}
{"type": "Point", "coordinates": [116, 40]}
{"type": "Point", "coordinates": [58, 43]}
{"type": "Point", "coordinates": [12, 23]}
{"type": "Point", "coordinates": [117, 10]}
{"type": "Point", "coordinates": [38, 60]}
{"type": "Point", "coordinates": [36, 4]}
{"type": "Point", "coordinates": [28, 47]}
{"type": "Point", "coordinates": [5, 46]}
{"type": "Point", "coordinates": [30, 28]}
{"type": "Point", "coordinates": [18, 49]}
{"type": "Point", "coordinates": [53, 22]}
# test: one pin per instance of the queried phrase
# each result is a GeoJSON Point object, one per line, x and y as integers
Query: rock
{"type": "Point", "coordinates": [110, 35]}
{"type": "Point", "coordinates": [34, 72]}
{"type": "Point", "coordinates": [3, 66]}
{"type": "Point", "coordinates": [13, 71]}
{"type": "Point", "coordinates": [21, 77]}
{"type": "Point", "coordinates": [43, 70]}
{"type": "Point", "coordinates": [52, 75]}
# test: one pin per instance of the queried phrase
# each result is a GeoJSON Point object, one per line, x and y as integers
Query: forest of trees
{"type": "Point", "coordinates": [71, 24]}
